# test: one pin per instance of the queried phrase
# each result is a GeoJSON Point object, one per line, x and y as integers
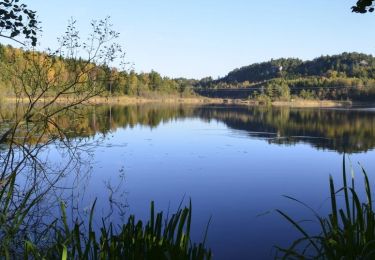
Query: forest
{"type": "Point", "coordinates": [338, 77]}
{"type": "Point", "coordinates": [348, 76]}
{"type": "Point", "coordinates": [110, 79]}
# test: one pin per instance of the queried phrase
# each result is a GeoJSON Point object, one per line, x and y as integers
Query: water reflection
{"type": "Point", "coordinates": [227, 169]}
{"type": "Point", "coordinates": [349, 131]}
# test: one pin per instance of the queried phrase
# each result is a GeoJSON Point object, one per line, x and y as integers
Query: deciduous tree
{"type": "Point", "coordinates": [17, 20]}
{"type": "Point", "coordinates": [363, 6]}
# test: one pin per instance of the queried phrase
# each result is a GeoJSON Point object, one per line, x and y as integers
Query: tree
{"type": "Point", "coordinates": [47, 85]}
{"type": "Point", "coordinates": [364, 6]}
{"type": "Point", "coordinates": [16, 19]}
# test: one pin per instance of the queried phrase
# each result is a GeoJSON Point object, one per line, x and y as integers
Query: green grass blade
{"type": "Point", "coordinates": [333, 202]}
{"type": "Point", "coordinates": [347, 203]}
{"type": "Point", "coordinates": [299, 228]}
{"type": "Point", "coordinates": [65, 253]}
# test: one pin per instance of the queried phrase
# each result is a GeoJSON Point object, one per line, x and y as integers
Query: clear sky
{"type": "Point", "coordinates": [198, 38]}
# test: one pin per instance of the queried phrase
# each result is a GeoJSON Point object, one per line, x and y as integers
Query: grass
{"type": "Point", "coordinates": [157, 238]}
{"type": "Point", "coordinates": [348, 232]}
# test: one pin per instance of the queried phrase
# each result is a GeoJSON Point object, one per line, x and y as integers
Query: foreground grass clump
{"type": "Point", "coordinates": [346, 233]}
{"type": "Point", "coordinates": [159, 238]}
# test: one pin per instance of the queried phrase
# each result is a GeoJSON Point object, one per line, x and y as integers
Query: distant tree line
{"type": "Point", "coordinates": [339, 77]}
{"type": "Point", "coordinates": [114, 81]}
{"type": "Point", "coordinates": [344, 76]}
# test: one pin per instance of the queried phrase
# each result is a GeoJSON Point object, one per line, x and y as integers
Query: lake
{"type": "Point", "coordinates": [233, 162]}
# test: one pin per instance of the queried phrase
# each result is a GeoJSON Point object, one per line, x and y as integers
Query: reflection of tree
{"type": "Point", "coordinates": [342, 131]}
{"type": "Point", "coordinates": [338, 130]}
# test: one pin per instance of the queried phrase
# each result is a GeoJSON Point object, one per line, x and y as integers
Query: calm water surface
{"type": "Point", "coordinates": [234, 163]}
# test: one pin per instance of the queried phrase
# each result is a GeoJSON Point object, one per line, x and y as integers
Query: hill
{"type": "Point", "coordinates": [344, 65]}
{"type": "Point", "coordinates": [343, 76]}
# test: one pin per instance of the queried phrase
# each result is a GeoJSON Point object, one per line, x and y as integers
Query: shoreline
{"type": "Point", "coordinates": [126, 100]}
{"type": "Point", "coordinates": [299, 103]}
{"type": "Point", "coordinates": [313, 103]}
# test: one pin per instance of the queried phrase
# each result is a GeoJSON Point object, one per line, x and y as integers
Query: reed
{"type": "Point", "coordinates": [348, 232]}
{"type": "Point", "coordinates": [157, 238]}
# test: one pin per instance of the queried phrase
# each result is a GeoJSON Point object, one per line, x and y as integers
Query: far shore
{"type": "Point", "coordinates": [124, 100]}
{"type": "Point", "coordinates": [196, 100]}
{"type": "Point", "coordinates": [312, 103]}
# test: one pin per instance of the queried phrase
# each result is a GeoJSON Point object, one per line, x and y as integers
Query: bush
{"type": "Point", "coordinates": [263, 99]}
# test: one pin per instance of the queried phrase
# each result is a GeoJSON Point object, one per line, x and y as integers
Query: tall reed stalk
{"type": "Point", "coordinates": [348, 232]}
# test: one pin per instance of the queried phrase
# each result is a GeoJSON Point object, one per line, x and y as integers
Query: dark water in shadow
{"type": "Point", "coordinates": [235, 163]}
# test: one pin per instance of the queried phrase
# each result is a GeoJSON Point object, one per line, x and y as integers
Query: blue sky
{"type": "Point", "coordinates": [199, 38]}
